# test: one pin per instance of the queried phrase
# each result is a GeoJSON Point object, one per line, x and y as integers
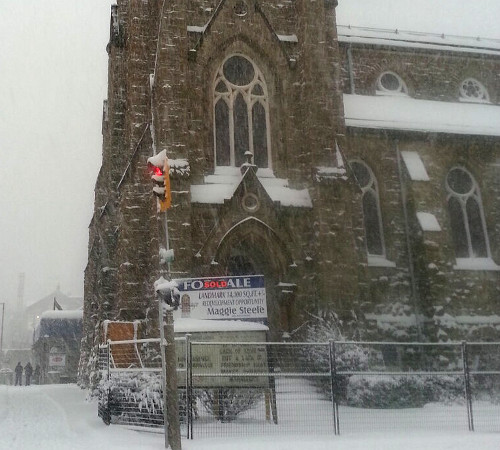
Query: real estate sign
{"type": "Point", "coordinates": [235, 298]}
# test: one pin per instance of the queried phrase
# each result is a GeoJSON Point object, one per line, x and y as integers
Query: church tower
{"type": "Point", "coordinates": [245, 97]}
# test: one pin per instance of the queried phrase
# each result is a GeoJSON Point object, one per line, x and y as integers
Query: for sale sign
{"type": "Point", "coordinates": [235, 298]}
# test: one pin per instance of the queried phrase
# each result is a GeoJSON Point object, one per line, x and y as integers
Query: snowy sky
{"type": "Point", "coordinates": [53, 69]}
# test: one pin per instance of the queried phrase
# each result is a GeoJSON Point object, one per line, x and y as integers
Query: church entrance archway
{"type": "Point", "coordinates": [253, 248]}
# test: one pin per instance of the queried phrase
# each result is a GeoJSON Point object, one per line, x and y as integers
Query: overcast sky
{"type": "Point", "coordinates": [53, 70]}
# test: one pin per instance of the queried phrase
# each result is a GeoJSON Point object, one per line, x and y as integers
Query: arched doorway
{"type": "Point", "coordinates": [253, 248]}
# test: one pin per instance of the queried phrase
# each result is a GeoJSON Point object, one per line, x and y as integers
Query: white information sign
{"type": "Point", "coordinates": [235, 298]}
{"type": "Point", "coordinates": [57, 360]}
{"type": "Point", "coordinates": [211, 361]}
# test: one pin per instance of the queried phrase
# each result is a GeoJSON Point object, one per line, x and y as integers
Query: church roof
{"type": "Point", "coordinates": [410, 114]}
{"type": "Point", "coordinates": [417, 40]}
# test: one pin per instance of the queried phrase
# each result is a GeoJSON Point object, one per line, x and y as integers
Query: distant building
{"type": "Point", "coordinates": [54, 300]}
{"type": "Point", "coordinates": [56, 347]}
{"type": "Point", "coordinates": [357, 170]}
{"type": "Point", "coordinates": [20, 322]}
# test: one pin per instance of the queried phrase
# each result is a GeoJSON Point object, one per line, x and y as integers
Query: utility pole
{"type": "Point", "coordinates": [169, 377]}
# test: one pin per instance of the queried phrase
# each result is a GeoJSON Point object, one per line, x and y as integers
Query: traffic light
{"type": "Point", "coordinates": [158, 166]}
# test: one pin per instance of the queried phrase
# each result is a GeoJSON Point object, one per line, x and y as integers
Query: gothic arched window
{"type": "Point", "coordinates": [466, 215]}
{"type": "Point", "coordinates": [371, 208]}
{"type": "Point", "coordinates": [241, 114]}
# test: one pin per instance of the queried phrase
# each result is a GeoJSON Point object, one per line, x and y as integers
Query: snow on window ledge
{"type": "Point", "coordinates": [379, 261]}
{"type": "Point", "coordinates": [415, 166]}
{"type": "Point", "coordinates": [474, 100]}
{"type": "Point", "coordinates": [392, 93]}
{"type": "Point", "coordinates": [476, 264]}
{"type": "Point", "coordinates": [428, 221]}
{"type": "Point", "coordinates": [287, 38]}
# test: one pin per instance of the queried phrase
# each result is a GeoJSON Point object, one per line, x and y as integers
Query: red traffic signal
{"type": "Point", "coordinates": [158, 166]}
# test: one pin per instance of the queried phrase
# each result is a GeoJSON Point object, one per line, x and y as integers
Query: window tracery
{"type": "Point", "coordinates": [390, 83]}
{"type": "Point", "coordinates": [472, 90]}
{"type": "Point", "coordinates": [371, 208]}
{"type": "Point", "coordinates": [466, 215]}
{"type": "Point", "coordinates": [241, 114]}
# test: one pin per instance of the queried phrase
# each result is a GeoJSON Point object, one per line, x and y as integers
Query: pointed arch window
{"type": "Point", "coordinates": [241, 114]}
{"type": "Point", "coordinates": [371, 208]}
{"type": "Point", "coordinates": [466, 215]}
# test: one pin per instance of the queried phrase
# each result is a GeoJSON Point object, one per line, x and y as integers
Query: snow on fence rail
{"type": "Point", "coordinates": [245, 388]}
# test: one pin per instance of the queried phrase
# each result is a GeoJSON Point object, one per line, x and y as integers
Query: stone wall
{"type": "Point", "coordinates": [429, 75]}
{"type": "Point", "coordinates": [162, 66]}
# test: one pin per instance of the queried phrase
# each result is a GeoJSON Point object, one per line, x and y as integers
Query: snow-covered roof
{"type": "Point", "coordinates": [406, 113]}
{"type": "Point", "coordinates": [222, 184]}
{"type": "Point", "coordinates": [47, 302]}
{"type": "Point", "coordinates": [60, 324]}
{"type": "Point", "coordinates": [414, 39]}
{"type": "Point", "coordinates": [64, 314]}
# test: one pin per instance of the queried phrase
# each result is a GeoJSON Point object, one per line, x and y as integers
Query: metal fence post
{"type": "Point", "coordinates": [108, 377]}
{"type": "Point", "coordinates": [333, 381]}
{"type": "Point", "coordinates": [108, 362]}
{"type": "Point", "coordinates": [468, 393]}
{"type": "Point", "coordinates": [189, 387]}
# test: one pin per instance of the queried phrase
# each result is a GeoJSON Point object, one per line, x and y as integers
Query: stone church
{"type": "Point", "coordinates": [358, 170]}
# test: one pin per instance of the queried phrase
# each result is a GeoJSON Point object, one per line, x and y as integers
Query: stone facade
{"type": "Point", "coordinates": [298, 219]}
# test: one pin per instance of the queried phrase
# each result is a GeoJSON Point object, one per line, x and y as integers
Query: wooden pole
{"type": "Point", "coordinates": [172, 401]}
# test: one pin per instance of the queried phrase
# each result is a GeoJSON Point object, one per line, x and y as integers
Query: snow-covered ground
{"type": "Point", "coordinates": [58, 417]}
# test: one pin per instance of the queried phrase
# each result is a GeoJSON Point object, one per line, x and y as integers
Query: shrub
{"type": "Point", "coordinates": [444, 389]}
{"type": "Point", "coordinates": [225, 404]}
{"type": "Point", "coordinates": [350, 357]}
{"type": "Point", "coordinates": [133, 398]}
{"type": "Point", "coordinates": [385, 392]}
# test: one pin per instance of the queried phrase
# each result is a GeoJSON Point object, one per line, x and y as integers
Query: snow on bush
{"type": "Point", "coordinates": [133, 397]}
{"type": "Point", "coordinates": [382, 391]}
{"type": "Point", "coordinates": [374, 391]}
{"type": "Point", "coordinates": [347, 357]}
{"type": "Point", "coordinates": [225, 404]}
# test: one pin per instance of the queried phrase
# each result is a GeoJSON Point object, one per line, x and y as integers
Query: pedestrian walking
{"type": "Point", "coordinates": [36, 374]}
{"type": "Point", "coordinates": [19, 374]}
{"type": "Point", "coordinates": [28, 371]}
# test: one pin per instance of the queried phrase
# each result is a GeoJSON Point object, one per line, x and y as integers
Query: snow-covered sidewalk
{"type": "Point", "coordinates": [57, 417]}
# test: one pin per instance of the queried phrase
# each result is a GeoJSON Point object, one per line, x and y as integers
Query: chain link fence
{"type": "Point", "coordinates": [130, 390]}
{"type": "Point", "coordinates": [262, 388]}
{"type": "Point", "coordinates": [258, 389]}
